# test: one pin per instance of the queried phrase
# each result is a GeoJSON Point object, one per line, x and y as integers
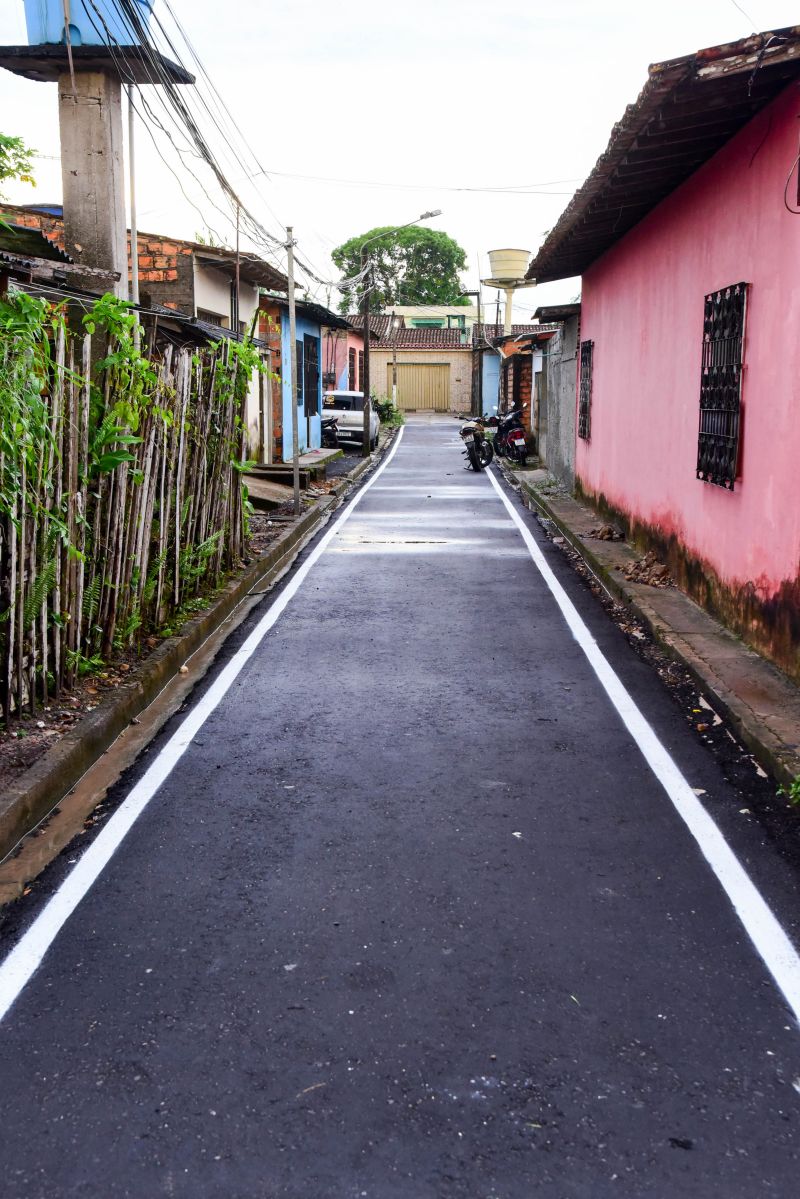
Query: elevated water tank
{"type": "Point", "coordinates": [508, 264]}
{"type": "Point", "coordinates": [103, 22]}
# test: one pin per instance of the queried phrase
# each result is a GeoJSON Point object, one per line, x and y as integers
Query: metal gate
{"type": "Point", "coordinates": [421, 386]}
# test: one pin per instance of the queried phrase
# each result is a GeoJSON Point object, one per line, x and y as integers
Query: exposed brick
{"type": "Point", "coordinates": [170, 275]}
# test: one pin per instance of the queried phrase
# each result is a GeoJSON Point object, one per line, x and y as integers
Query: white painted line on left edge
{"type": "Point", "coordinates": [762, 926]}
{"type": "Point", "coordinates": [26, 956]}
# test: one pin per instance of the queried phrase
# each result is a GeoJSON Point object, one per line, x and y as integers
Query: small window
{"type": "Point", "coordinates": [352, 380]}
{"type": "Point", "coordinates": [585, 395]}
{"type": "Point", "coordinates": [721, 386]}
{"type": "Point", "coordinates": [360, 371]}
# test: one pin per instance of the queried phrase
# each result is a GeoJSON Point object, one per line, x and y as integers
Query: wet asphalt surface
{"type": "Point", "coordinates": [411, 918]}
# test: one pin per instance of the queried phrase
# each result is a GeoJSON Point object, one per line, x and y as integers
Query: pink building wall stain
{"type": "Point", "coordinates": [643, 309]}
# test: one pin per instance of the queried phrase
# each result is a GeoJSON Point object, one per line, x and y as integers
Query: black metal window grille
{"type": "Point", "coordinates": [298, 373]}
{"type": "Point", "coordinates": [352, 380]}
{"type": "Point", "coordinates": [585, 391]}
{"type": "Point", "coordinates": [721, 386]}
{"type": "Point", "coordinates": [311, 374]}
{"type": "Point", "coordinates": [360, 372]}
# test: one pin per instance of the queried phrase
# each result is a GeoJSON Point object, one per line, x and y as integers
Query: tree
{"type": "Point", "coordinates": [16, 160]}
{"type": "Point", "coordinates": [410, 266]}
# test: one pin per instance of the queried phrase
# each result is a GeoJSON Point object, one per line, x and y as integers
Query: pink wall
{"type": "Point", "coordinates": [336, 346]}
{"type": "Point", "coordinates": [643, 308]}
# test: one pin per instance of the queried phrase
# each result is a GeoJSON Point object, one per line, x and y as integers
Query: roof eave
{"type": "Point", "coordinates": [759, 53]}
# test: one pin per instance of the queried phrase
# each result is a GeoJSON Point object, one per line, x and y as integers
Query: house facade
{"type": "Point", "coordinates": [558, 399]}
{"type": "Point", "coordinates": [310, 320]}
{"type": "Point", "coordinates": [688, 385]}
{"type": "Point", "coordinates": [434, 369]}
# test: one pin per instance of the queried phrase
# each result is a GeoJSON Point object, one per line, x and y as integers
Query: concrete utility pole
{"type": "Point", "coordinates": [292, 371]}
{"type": "Point", "coordinates": [365, 430]}
{"type": "Point", "coordinates": [89, 73]}
{"type": "Point", "coordinates": [92, 170]}
{"type": "Point", "coordinates": [134, 263]}
{"type": "Point", "coordinates": [395, 327]}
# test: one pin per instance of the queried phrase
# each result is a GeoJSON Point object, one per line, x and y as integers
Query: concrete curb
{"type": "Point", "coordinates": [34, 795]}
{"type": "Point", "coordinates": [779, 756]}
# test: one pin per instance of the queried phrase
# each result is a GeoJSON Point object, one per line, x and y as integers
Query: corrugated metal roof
{"type": "Point", "coordinates": [20, 242]}
{"type": "Point", "coordinates": [688, 109]}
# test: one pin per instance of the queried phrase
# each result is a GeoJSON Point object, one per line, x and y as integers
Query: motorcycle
{"type": "Point", "coordinates": [509, 439]}
{"type": "Point", "coordinates": [330, 432]}
{"type": "Point", "coordinates": [478, 449]}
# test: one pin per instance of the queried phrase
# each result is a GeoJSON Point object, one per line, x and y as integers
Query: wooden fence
{"type": "Point", "coordinates": [118, 507]}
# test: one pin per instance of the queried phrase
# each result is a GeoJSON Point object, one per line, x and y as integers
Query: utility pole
{"type": "Point", "coordinates": [235, 313]}
{"type": "Point", "coordinates": [394, 360]}
{"type": "Point", "coordinates": [365, 430]}
{"type": "Point", "coordinates": [292, 371]}
{"type": "Point", "coordinates": [134, 284]}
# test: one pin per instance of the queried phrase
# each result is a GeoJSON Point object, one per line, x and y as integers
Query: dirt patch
{"type": "Point", "coordinates": [650, 571]}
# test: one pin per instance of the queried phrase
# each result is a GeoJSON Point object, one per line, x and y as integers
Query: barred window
{"type": "Point", "coordinates": [585, 395]}
{"type": "Point", "coordinates": [721, 386]}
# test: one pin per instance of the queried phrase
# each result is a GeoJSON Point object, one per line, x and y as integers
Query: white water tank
{"type": "Point", "coordinates": [508, 264]}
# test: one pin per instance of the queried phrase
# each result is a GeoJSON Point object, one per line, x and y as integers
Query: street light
{"type": "Point", "coordinates": [365, 387]}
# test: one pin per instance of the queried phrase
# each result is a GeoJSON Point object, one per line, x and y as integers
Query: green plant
{"type": "Point", "coordinates": [387, 413]}
{"type": "Point", "coordinates": [413, 265]}
{"type": "Point", "coordinates": [16, 160]}
{"type": "Point", "coordinates": [792, 792]}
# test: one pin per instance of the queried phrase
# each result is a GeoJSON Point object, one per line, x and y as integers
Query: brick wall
{"type": "Point", "coordinates": [51, 226]}
{"type": "Point", "coordinates": [166, 273]}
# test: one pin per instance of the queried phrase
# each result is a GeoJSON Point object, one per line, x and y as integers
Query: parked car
{"type": "Point", "coordinates": [349, 406]}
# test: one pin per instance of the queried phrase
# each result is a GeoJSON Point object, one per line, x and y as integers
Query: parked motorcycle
{"type": "Point", "coordinates": [330, 432]}
{"type": "Point", "coordinates": [478, 449]}
{"type": "Point", "coordinates": [509, 438]}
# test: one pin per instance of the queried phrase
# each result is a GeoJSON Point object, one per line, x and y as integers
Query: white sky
{"type": "Point", "coordinates": [427, 94]}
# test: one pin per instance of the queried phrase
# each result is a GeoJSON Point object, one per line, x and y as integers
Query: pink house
{"type": "Point", "coordinates": [343, 352]}
{"type": "Point", "coordinates": [687, 235]}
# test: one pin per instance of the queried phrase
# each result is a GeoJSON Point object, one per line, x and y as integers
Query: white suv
{"type": "Point", "coordinates": [349, 409]}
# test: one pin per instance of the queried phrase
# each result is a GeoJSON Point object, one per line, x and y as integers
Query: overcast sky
{"type": "Point", "coordinates": [409, 99]}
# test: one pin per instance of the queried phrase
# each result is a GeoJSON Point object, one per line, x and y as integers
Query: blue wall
{"type": "Point", "coordinates": [491, 383]}
{"type": "Point", "coordinates": [305, 328]}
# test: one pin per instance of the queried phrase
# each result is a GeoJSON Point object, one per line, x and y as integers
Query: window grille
{"type": "Point", "coordinates": [311, 374]}
{"type": "Point", "coordinates": [360, 371]}
{"type": "Point", "coordinates": [585, 394]}
{"type": "Point", "coordinates": [352, 380]}
{"type": "Point", "coordinates": [721, 385]}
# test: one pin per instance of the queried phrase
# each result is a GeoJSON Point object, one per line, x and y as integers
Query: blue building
{"type": "Point", "coordinates": [310, 320]}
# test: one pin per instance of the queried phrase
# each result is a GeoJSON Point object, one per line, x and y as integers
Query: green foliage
{"type": "Point", "coordinates": [410, 266]}
{"type": "Point", "coordinates": [83, 664]}
{"type": "Point", "coordinates": [387, 413]}
{"type": "Point", "coordinates": [792, 792]}
{"type": "Point", "coordinates": [16, 160]}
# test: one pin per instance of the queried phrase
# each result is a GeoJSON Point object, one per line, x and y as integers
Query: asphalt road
{"type": "Point", "coordinates": [412, 918]}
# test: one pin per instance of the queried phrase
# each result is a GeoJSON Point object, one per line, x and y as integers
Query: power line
{"type": "Point", "coordinates": [521, 189]}
{"type": "Point", "coordinates": [744, 14]}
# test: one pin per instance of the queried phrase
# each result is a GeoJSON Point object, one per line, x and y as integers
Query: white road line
{"type": "Point", "coordinates": [779, 955]}
{"type": "Point", "coordinates": [26, 956]}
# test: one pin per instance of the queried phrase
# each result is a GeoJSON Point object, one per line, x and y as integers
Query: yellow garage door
{"type": "Point", "coordinates": [421, 386]}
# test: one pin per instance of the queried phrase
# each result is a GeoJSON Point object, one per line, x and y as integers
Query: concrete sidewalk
{"type": "Point", "coordinates": [760, 702]}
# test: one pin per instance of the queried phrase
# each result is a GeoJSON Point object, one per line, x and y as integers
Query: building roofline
{"type": "Point", "coordinates": [687, 110]}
